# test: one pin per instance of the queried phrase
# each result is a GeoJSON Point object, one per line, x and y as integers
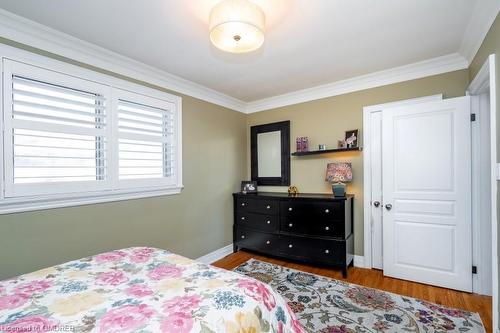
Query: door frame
{"type": "Point", "coordinates": [367, 178]}
{"type": "Point", "coordinates": [476, 87]}
{"type": "Point", "coordinates": [480, 84]}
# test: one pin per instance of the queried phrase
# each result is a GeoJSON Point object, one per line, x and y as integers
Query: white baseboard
{"type": "Point", "coordinates": [216, 255]}
{"type": "Point", "coordinates": [359, 261]}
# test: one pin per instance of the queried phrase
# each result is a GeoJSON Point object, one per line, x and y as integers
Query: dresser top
{"type": "Point", "coordinates": [284, 195]}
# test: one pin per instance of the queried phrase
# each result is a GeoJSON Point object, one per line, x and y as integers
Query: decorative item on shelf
{"type": "Point", "coordinates": [337, 174]}
{"type": "Point", "coordinates": [302, 144]}
{"type": "Point", "coordinates": [248, 187]}
{"type": "Point", "coordinates": [293, 190]}
{"type": "Point", "coordinates": [341, 144]}
{"type": "Point", "coordinates": [321, 147]}
{"type": "Point", "coordinates": [351, 138]}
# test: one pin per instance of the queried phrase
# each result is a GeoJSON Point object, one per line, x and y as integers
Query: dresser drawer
{"type": "Point", "coordinates": [314, 227]}
{"type": "Point", "coordinates": [255, 240]}
{"type": "Point", "coordinates": [327, 251]}
{"type": "Point", "coordinates": [323, 210]}
{"type": "Point", "coordinates": [262, 206]}
{"type": "Point", "coordinates": [259, 222]}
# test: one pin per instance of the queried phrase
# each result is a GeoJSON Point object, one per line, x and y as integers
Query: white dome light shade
{"type": "Point", "coordinates": [237, 26]}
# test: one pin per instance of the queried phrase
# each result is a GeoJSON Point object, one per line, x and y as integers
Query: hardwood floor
{"type": "Point", "coordinates": [374, 279]}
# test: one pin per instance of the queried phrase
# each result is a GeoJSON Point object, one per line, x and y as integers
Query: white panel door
{"type": "Point", "coordinates": [427, 193]}
{"type": "Point", "coordinates": [376, 188]}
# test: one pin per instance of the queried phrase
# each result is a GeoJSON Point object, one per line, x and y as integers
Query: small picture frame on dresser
{"type": "Point", "coordinates": [248, 187]}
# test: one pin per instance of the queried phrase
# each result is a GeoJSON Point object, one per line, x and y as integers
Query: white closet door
{"type": "Point", "coordinates": [427, 193]}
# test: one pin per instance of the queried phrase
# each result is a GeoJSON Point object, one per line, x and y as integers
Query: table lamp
{"type": "Point", "coordinates": [337, 174]}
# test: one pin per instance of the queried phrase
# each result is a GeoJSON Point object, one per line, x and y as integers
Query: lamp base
{"type": "Point", "coordinates": [338, 189]}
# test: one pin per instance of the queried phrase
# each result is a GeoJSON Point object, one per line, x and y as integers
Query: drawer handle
{"type": "Point", "coordinates": [268, 242]}
{"type": "Point", "coordinates": [327, 251]}
{"type": "Point", "coordinates": [243, 237]}
{"type": "Point", "coordinates": [243, 204]}
{"type": "Point", "coordinates": [290, 209]}
{"type": "Point", "coordinates": [268, 207]}
{"type": "Point", "coordinates": [327, 211]}
{"type": "Point", "coordinates": [268, 222]}
{"type": "Point", "coordinates": [290, 225]}
{"type": "Point", "coordinates": [243, 218]}
{"type": "Point", "coordinates": [327, 228]}
{"type": "Point", "coordinates": [290, 245]}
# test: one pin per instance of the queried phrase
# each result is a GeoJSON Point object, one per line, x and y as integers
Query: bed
{"type": "Point", "coordinates": [141, 289]}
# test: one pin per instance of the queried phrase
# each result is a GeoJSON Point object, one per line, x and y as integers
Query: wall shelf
{"type": "Point", "coordinates": [327, 151]}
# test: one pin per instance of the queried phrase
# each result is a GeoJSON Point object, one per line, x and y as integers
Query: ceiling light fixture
{"type": "Point", "coordinates": [237, 26]}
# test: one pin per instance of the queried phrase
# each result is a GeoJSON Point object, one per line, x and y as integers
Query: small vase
{"type": "Point", "coordinates": [338, 189]}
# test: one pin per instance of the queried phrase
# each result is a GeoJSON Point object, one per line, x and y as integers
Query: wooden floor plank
{"type": "Point", "coordinates": [374, 279]}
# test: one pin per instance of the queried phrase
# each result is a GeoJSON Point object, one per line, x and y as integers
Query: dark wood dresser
{"type": "Point", "coordinates": [313, 228]}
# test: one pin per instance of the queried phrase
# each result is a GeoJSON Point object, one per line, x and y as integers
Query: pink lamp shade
{"type": "Point", "coordinates": [339, 172]}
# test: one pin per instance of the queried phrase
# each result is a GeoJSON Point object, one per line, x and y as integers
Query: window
{"type": "Point", "coordinates": [66, 138]}
{"type": "Point", "coordinates": [145, 138]}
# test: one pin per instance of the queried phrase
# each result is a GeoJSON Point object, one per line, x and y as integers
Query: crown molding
{"type": "Point", "coordinates": [448, 63]}
{"type": "Point", "coordinates": [30, 33]}
{"type": "Point", "coordinates": [482, 18]}
{"type": "Point", "coordinates": [33, 34]}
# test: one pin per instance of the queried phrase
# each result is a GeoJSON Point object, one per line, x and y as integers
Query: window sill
{"type": "Point", "coordinates": [9, 206]}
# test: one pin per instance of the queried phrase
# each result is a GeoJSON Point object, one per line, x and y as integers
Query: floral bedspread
{"type": "Point", "coordinates": [141, 290]}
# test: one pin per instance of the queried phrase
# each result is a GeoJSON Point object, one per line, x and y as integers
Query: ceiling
{"type": "Point", "coordinates": [308, 42]}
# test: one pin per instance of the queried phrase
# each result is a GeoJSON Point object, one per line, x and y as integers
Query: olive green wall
{"type": "Point", "coordinates": [325, 121]}
{"type": "Point", "coordinates": [491, 45]}
{"type": "Point", "coordinates": [193, 223]}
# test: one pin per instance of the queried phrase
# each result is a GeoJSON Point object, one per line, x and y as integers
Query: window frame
{"type": "Point", "coordinates": [110, 189]}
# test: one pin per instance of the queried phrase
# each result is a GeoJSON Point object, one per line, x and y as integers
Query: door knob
{"type": "Point", "coordinates": [388, 206]}
{"type": "Point", "coordinates": [376, 204]}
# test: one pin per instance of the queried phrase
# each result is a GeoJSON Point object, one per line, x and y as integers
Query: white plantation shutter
{"type": "Point", "coordinates": [56, 132]}
{"type": "Point", "coordinates": [146, 140]}
{"type": "Point", "coordinates": [68, 139]}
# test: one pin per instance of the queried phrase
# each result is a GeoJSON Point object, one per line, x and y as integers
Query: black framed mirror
{"type": "Point", "coordinates": [270, 153]}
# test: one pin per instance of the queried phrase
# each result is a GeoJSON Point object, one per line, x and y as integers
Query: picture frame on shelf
{"type": "Point", "coordinates": [352, 138]}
